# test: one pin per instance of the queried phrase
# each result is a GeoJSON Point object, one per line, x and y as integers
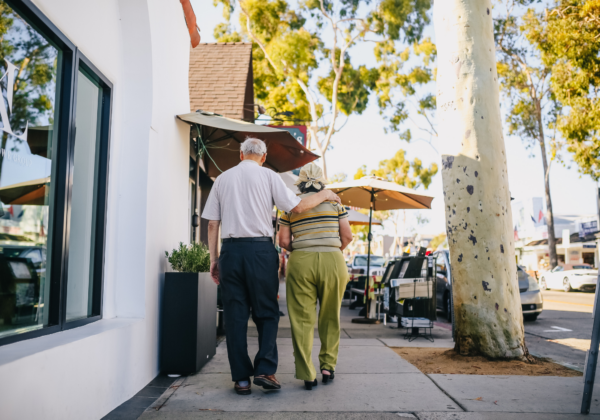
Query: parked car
{"type": "Point", "coordinates": [531, 296]}
{"type": "Point", "coordinates": [570, 277]}
{"type": "Point", "coordinates": [358, 265]}
{"type": "Point", "coordinates": [35, 254]}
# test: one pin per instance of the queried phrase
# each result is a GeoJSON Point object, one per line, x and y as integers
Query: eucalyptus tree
{"type": "Point", "coordinates": [487, 305]}
{"type": "Point", "coordinates": [291, 44]}
{"type": "Point", "coordinates": [525, 82]}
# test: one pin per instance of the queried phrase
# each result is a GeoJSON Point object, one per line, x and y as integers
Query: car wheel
{"type": "Point", "coordinates": [543, 284]}
{"type": "Point", "coordinates": [530, 317]}
{"type": "Point", "coordinates": [567, 285]}
{"type": "Point", "coordinates": [448, 308]}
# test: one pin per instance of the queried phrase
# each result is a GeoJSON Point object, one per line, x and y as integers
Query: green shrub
{"type": "Point", "coordinates": [193, 258]}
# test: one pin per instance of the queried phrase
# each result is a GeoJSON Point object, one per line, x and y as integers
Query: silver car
{"type": "Point", "coordinates": [358, 265]}
{"type": "Point", "coordinates": [532, 302]}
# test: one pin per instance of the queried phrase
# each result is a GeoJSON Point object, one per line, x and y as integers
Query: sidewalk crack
{"type": "Point", "coordinates": [448, 395]}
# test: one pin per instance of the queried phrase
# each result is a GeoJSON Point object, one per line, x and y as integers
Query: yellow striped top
{"type": "Point", "coordinates": [317, 229]}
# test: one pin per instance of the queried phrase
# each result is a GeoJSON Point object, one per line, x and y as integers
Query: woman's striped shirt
{"type": "Point", "coordinates": [317, 229]}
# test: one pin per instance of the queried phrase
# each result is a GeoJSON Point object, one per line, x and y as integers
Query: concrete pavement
{"type": "Point", "coordinates": [372, 382]}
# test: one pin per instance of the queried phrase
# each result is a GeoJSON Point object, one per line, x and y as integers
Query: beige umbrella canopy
{"type": "Point", "coordinates": [374, 193]}
{"type": "Point", "coordinates": [358, 219]}
{"type": "Point", "coordinates": [32, 193]}
{"type": "Point", "coordinates": [220, 139]}
{"type": "Point", "coordinates": [385, 195]}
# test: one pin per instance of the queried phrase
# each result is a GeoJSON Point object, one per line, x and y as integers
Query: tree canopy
{"type": "Point", "coordinates": [568, 38]}
{"type": "Point", "coordinates": [292, 46]}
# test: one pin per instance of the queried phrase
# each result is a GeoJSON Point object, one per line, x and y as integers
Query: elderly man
{"type": "Point", "coordinates": [242, 201]}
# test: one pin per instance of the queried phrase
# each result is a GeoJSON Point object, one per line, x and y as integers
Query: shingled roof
{"type": "Point", "coordinates": [221, 79]}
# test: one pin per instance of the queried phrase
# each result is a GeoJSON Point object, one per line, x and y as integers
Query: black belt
{"type": "Point", "coordinates": [260, 239]}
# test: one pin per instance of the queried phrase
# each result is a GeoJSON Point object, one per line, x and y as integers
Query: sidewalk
{"type": "Point", "coordinates": [372, 382]}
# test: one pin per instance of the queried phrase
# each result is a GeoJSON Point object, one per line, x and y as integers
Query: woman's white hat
{"type": "Point", "coordinates": [312, 174]}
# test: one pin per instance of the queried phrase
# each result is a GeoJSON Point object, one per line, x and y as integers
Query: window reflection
{"type": "Point", "coordinates": [83, 200]}
{"type": "Point", "coordinates": [28, 66]}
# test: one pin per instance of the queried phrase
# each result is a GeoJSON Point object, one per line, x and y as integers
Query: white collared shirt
{"type": "Point", "coordinates": [242, 198]}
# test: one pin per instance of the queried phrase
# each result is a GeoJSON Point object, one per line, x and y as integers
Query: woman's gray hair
{"type": "Point", "coordinates": [253, 146]}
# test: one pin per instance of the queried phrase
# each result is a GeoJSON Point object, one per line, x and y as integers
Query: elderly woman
{"type": "Point", "coordinates": [316, 271]}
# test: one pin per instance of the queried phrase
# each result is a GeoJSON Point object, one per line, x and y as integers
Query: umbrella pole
{"type": "Point", "coordinates": [367, 300]}
{"type": "Point", "coordinates": [366, 319]}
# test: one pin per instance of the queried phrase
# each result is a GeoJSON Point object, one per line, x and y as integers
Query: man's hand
{"type": "Point", "coordinates": [214, 271]}
{"type": "Point", "coordinates": [331, 196]}
{"type": "Point", "coordinates": [312, 201]}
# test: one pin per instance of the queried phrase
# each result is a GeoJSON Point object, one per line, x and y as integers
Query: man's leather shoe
{"type": "Point", "coordinates": [267, 381]}
{"type": "Point", "coordinates": [243, 390]}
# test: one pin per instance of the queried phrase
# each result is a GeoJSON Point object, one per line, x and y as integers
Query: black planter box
{"type": "Point", "coordinates": [189, 322]}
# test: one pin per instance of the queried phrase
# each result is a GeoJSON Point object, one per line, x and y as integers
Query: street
{"type": "Point", "coordinates": [563, 330]}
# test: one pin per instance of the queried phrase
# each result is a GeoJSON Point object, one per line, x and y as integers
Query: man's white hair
{"type": "Point", "coordinates": [253, 146]}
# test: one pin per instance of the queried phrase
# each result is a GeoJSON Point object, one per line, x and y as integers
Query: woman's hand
{"type": "Point", "coordinates": [285, 237]}
{"type": "Point", "coordinates": [345, 233]}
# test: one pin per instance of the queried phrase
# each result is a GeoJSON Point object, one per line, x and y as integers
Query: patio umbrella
{"type": "Point", "coordinates": [358, 219]}
{"type": "Point", "coordinates": [32, 193]}
{"type": "Point", "coordinates": [377, 194]}
{"type": "Point", "coordinates": [219, 138]}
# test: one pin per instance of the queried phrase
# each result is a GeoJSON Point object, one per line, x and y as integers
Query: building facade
{"type": "Point", "coordinates": [575, 236]}
{"type": "Point", "coordinates": [94, 187]}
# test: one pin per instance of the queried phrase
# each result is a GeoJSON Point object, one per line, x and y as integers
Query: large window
{"type": "Point", "coordinates": [54, 136]}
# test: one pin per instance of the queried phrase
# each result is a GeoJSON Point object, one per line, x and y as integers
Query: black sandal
{"type": "Point", "coordinates": [329, 377]}
{"type": "Point", "coordinates": [308, 385]}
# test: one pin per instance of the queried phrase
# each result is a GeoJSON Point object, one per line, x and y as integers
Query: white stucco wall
{"type": "Point", "coordinates": [142, 46]}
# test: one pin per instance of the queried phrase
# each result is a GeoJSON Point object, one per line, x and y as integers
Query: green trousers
{"type": "Point", "coordinates": [313, 276]}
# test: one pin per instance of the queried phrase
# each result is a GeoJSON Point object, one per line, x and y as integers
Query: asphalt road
{"type": "Point", "coordinates": [563, 330]}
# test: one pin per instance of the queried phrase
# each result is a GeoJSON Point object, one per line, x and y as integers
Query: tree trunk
{"type": "Point", "coordinates": [487, 305]}
{"type": "Point", "coordinates": [549, 215]}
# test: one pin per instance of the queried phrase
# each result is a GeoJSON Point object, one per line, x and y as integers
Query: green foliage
{"type": "Point", "coordinates": [524, 79]}
{"type": "Point", "coordinates": [437, 241]}
{"type": "Point", "coordinates": [401, 171]}
{"type": "Point", "coordinates": [361, 172]}
{"type": "Point", "coordinates": [339, 177]}
{"type": "Point", "coordinates": [194, 258]}
{"type": "Point", "coordinates": [355, 87]}
{"type": "Point", "coordinates": [401, 86]}
{"type": "Point", "coordinates": [568, 38]}
{"type": "Point", "coordinates": [398, 170]}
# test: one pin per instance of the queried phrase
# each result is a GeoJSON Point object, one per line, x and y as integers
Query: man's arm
{"type": "Point", "coordinates": [213, 247]}
{"type": "Point", "coordinates": [314, 200]}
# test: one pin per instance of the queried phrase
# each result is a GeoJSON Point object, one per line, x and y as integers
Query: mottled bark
{"type": "Point", "coordinates": [487, 305]}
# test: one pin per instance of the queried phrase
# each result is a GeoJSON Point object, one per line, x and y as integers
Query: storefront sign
{"type": "Point", "coordinates": [15, 157]}
{"type": "Point", "coordinates": [297, 131]}
{"type": "Point", "coordinates": [588, 228]}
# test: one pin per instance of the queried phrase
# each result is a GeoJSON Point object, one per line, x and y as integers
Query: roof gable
{"type": "Point", "coordinates": [221, 80]}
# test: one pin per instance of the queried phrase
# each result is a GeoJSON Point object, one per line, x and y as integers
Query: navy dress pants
{"type": "Point", "coordinates": [250, 281]}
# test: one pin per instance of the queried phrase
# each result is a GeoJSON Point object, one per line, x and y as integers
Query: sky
{"type": "Point", "coordinates": [363, 142]}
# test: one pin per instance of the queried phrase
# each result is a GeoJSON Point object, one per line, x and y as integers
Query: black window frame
{"type": "Point", "coordinates": [72, 61]}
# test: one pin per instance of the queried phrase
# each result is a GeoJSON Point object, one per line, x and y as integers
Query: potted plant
{"type": "Point", "coordinates": [189, 311]}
